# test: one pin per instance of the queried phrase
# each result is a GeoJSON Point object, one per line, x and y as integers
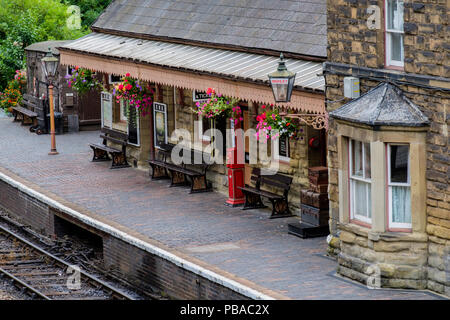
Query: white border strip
{"type": "Point", "coordinates": [210, 275]}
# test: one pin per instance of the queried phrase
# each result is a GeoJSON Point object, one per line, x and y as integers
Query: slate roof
{"type": "Point", "coordinates": [384, 105]}
{"type": "Point", "coordinates": [295, 26]}
{"type": "Point", "coordinates": [43, 46]}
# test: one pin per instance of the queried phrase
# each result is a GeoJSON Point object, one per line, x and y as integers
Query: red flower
{"type": "Point", "coordinates": [128, 87]}
{"type": "Point", "coordinates": [209, 91]}
{"type": "Point", "coordinates": [288, 124]}
{"type": "Point", "coordinates": [263, 106]}
{"type": "Point", "coordinates": [127, 74]}
{"type": "Point", "coordinates": [77, 67]}
{"type": "Point", "coordinates": [121, 87]}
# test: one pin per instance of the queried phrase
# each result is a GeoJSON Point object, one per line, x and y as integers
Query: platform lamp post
{"type": "Point", "coordinates": [50, 65]}
{"type": "Point", "coordinates": [282, 82]}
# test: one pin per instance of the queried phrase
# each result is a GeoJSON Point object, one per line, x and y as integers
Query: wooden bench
{"type": "Point", "coordinates": [184, 173]}
{"type": "Point", "coordinates": [26, 116]}
{"type": "Point", "coordinates": [160, 164]}
{"type": "Point", "coordinates": [119, 157]}
{"type": "Point", "coordinates": [253, 200]}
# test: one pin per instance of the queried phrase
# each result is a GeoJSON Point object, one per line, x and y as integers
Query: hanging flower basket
{"type": "Point", "coordinates": [83, 81]}
{"type": "Point", "coordinates": [218, 106]}
{"type": "Point", "coordinates": [134, 95]}
{"type": "Point", "coordinates": [272, 126]}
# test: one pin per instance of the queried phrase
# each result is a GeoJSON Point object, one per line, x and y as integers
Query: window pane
{"type": "Point", "coordinates": [399, 164]}
{"type": "Point", "coordinates": [367, 161]}
{"type": "Point", "coordinates": [395, 15]}
{"type": "Point", "coordinates": [283, 147]}
{"type": "Point", "coordinates": [133, 127]}
{"type": "Point", "coordinates": [206, 123]}
{"type": "Point", "coordinates": [357, 169]}
{"type": "Point", "coordinates": [360, 198]}
{"type": "Point", "coordinates": [396, 46]}
{"type": "Point", "coordinates": [123, 111]}
{"type": "Point", "coordinates": [401, 204]}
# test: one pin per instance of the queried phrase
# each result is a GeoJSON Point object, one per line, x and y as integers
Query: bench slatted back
{"type": "Point", "coordinates": [164, 153]}
{"type": "Point", "coordinates": [114, 136]}
{"type": "Point", "coordinates": [277, 180]}
{"type": "Point", "coordinates": [194, 155]}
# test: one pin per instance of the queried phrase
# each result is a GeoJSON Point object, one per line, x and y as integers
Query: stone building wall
{"type": "Point", "coordinates": [180, 116]}
{"type": "Point", "coordinates": [354, 50]}
{"type": "Point", "coordinates": [426, 45]}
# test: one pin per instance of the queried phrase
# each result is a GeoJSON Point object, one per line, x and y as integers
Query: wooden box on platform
{"type": "Point", "coordinates": [314, 199]}
{"type": "Point", "coordinates": [304, 230]}
{"type": "Point", "coordinates": [314, 216]}
{"type": "Point", "coordinates": [318, 179]}
{"type": "Point", "coordinates": [314, 206]}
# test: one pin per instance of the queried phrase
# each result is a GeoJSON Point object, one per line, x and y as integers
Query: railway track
{"type": "Point", "coordinates": [45, 276]}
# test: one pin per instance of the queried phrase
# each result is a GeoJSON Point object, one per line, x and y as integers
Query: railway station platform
{"type": "Point", "coordinates": [192, 243]}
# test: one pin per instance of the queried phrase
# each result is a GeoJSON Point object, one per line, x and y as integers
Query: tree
{"type": "Point", "coordinates": [23, 22]}
{"type": "Point", "coordinates": [90, 9]}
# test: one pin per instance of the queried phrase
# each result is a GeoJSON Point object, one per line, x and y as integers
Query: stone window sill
{"type": "Point", "coordinates": [384, 236]}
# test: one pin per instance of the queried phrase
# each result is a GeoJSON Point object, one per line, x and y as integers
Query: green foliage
{"type": "Point", "coordinates": [83, 81]}
{"type": "Point", "coordinates": [23, 22]}
{"type": "Point", "coordinates": [90, 9]}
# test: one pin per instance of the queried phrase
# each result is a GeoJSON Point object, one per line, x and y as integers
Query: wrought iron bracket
{"type": "Point", "coordinates": [317, 121]}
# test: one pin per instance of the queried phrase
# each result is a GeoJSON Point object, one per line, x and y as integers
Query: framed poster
{"type": "Point", "coordinates": [160, 124]}
{"type": "Point", "coordinates": [106, 109]}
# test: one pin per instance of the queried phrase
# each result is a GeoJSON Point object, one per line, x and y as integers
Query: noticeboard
{"type": "Point", "coordinates": [160, 124]}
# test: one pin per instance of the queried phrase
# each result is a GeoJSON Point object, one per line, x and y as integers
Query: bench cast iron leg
{"type": "Point", "coordinates": [280, 209]}
{"type": "Point", "coordinates": [199, 184]}
{"type": "Point", "coordinates": [119, 160]}
{"type": "Point", "coordinates": [99, 155]}
{"type": "Point", "coordinates": [177, 179]}
{"type": "Point", "coordinates": [252, 201]}
{"type": "Point", "coordinates": [159, 172]}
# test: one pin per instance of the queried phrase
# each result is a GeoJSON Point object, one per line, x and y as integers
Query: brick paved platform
{"type": "Point", "coordinates": [258, 252]}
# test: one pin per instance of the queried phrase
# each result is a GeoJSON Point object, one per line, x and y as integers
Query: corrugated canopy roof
{"type": "Point", "coordinates": [238, 65]}
{"type": "Point", "coordinates": [296, 26]}
{"type": "Point", "coordinates": [384, 105]}
{"type": "Point", "coordinates": [43, 46]}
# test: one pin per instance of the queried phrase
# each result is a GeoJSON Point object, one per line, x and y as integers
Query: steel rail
{"type": "Point", "coordinates": [90, 278]}
{"type": "Point", "coordinates": [23, 284]}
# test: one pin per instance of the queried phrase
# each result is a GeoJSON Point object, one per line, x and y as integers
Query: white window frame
{"type": "Point", "coordinates": [352, 178]}
{"type": "Point", "coordinates": [389, 32]}
{"type": "Point", "coordinates": [277, 154]}
{"type": "Point", "coordinates": [109, 97]}
{"type": "Point", "coordinates": [391, 224]}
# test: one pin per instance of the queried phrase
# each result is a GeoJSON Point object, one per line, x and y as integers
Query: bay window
{"type": "Point", "coordinates": [360, 182]}
{"type": "Point", "coordinates": [399, 186]}
{"type": "Point", "coordinates": [394, 33]}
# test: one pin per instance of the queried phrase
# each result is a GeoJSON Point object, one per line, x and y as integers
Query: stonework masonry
{"type": "Point", "coordinates": [355, 50]}
{"type": "Point", "coordinates": [180, 116]}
